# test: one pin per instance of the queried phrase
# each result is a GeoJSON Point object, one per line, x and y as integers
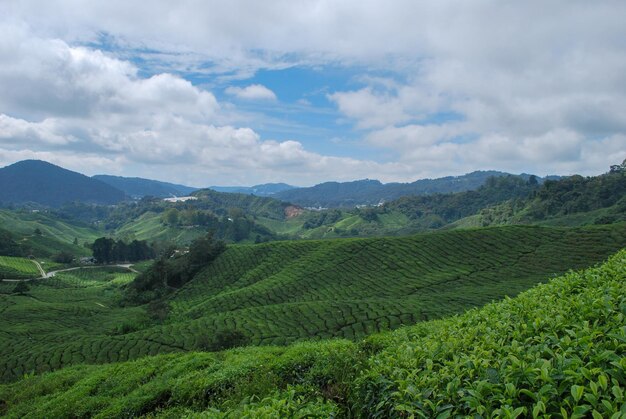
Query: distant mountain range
{"type": "Point", "coordinates": [43, 183]}
{"type": "Point", "coordinates": [39, 182]}
{"type": "Point", "coordinates": [136, 187]}
{"type": "Point", "coordinates": [372, 192]}
{"type": "Point", "coordinates": [266, 189]}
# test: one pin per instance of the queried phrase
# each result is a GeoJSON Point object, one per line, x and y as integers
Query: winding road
{"type": "Point", "coordinates": [51, 274]}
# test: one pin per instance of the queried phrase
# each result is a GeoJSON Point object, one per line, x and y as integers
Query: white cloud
{"type": "Point", "coordinates": [531, 92]}
{"type": "Point", "coordinates": [252, 92]}
{"type": "Point", "coordinates": [161, 126]}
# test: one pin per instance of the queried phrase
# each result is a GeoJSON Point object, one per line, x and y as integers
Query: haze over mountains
{"type": "Point", "coordinates": [266, 189]}
{"type": "Point", "coordinates": [40, 182]}
{"type": "Point", "coordinates": [136, 187]}
{"type": "Point", "coordinates": [372, 192]}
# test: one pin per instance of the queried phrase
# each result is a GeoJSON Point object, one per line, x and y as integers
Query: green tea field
{"type": "Point", "coordinates": [554, 351]}
{"type": "Point", "coordinates": [17, 268]}
{"type": "Point", "coordinates": [281, 292]}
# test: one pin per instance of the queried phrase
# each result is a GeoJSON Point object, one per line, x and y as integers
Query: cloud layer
{"type": "Point", "coordinates": [252, 92]}
{"type": "Point", "coordinates": [437, 88]}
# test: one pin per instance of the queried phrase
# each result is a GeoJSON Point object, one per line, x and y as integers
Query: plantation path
{"type": "Point", "coordinates": [41, 271]}
{"type": "Point", "coordinates": [51, 274]}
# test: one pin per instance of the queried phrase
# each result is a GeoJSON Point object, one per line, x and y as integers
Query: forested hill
{"type": "Point", "coordinates": [220, 202]}
{"type": "Point", "coordinates": [571, 201]}
{"type": "Point", "coordinates": [371, 192]}
{"type": "Point", "coordinates": [40, 182]}
{"type": "Point", "coordinates": [138, 187]}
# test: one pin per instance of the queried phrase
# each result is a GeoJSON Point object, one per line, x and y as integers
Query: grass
{"type": "Point", "coordinates": [282, 292]}
{"type": "Point", "coordinates": [554, 351]}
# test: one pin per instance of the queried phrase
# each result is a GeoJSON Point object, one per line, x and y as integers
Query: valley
{"type": "Point", "coordinates": [279, 283]}
{"type": "Point", "coordinates": [312, 210]}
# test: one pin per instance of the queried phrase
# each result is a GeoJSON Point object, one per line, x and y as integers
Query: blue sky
{"type": "Point", "coordinates": [243, 92]}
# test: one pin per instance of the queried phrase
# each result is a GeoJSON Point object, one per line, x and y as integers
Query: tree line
{"type": "Point", "coordinates": [173, 269]}
{"type": "Point", "coordinates": [107, 250]}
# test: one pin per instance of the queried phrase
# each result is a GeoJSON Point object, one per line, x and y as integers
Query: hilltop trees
{"type": "Point", "coordinates": [107, 250]}
{"type": "Point", "coordinates": [8, 246]}
{"type": "Point", "coordinates": [173, 270]}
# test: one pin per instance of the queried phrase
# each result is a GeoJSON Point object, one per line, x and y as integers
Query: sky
{"type": "Point", "coordinates": [247, 92]}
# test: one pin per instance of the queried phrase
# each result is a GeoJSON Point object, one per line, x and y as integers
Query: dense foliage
{"type": "Point", "coordinates": [554, 351]}
{"type": "Point", "coordinates": [173, 269]}
{"type": "Point", "coordinates": [108, 250]}
{"type": "Point", "coordinates": [440, 209]}
{"type": "Point", "coordinates": [8, 246]}
{"type": "Point", "coordinates": [574, 200]}
{"type": "Point", "coordinates": [235, 226]}
{"type": "Point", "coordinates": [578, 194]}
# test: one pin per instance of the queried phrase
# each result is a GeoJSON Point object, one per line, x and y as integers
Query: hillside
{"type": "Point", "coordinates": [408, 214]}
{"type": "Point", "coordinates": [556, 350]}
{"type": "Point", "coordinates": [503, 200]}
{"type": "Point", "coordinates": [43, 234]}
{"type": "Point", "coordinates": [39, 182]}
{"type": "Point", "coordinates": [221, 202]}
{"type": "Point", "coordinates": [136, 187]}
{"type": "Point", "coordinates": [372, 192]}
{"type": "Point", "coordinates": [281, 292]}
{"type": "Point", "coordinates": [153, 226]}
{"type": "Point", "coordinates": [571, 201]}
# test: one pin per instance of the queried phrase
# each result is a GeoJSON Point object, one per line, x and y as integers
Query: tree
{"type": "Point", "coordinates": [63, 257]}
{"type": "Point", "coordinates": [37, 232]}
{"type": "Point", "coordinates": [168, 273]}
{"type": "Point", "coordinates": [8, 246]}
{"type": "Point", "coordinates": [171, 217]}
{"type": "Point", "coordinates": [103, 249]}
{"type": "Point", "coordinates": [204, 249]}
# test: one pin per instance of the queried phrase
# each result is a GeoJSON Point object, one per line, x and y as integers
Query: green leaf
{"type": "Point", "coordinates": [577, 392]}
{"type": "Point", "coordinates": [518, 412]}
{"type": "Point", "coordinates": [539, 408]}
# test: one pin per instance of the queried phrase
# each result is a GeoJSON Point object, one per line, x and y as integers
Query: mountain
{"type": "Point", "coordinates": [40, 182]}
{"type": "Point", "coordinates": [371, 192]}
{"type": "Point", "coordinates": [266, 189]}
{"type": "Point", "coordinates": [137, 187]}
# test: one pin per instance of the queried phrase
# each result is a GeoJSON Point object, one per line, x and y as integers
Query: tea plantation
{"type": "Point", "coordinates": [17, 268]}
{"type": "Point", "coordinates": [554, 351]}
{"type": "Point", "coordinates": [282, 292]}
